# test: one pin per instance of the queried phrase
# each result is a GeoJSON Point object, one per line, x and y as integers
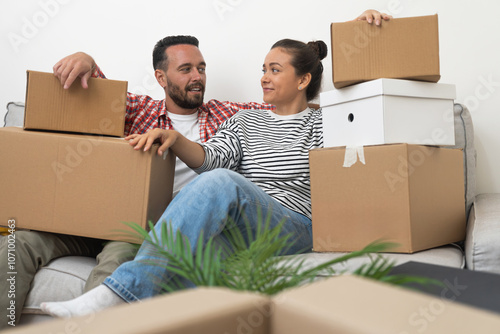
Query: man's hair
{"type": "Point", "coordinates": [160, 60]}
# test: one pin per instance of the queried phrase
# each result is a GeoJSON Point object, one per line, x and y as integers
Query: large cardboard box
{"type": "Point", "coordinates": [99, 109]}
{"type": "Point", "coordinates": [355, 305]}
{"type": "Point", "coordinates": [412, 195]}
{"type": "Point", "coordinates": [201, 310]}
{"type": "Point", "coordinates": [402, 48]}
{"type": "Point", "coordinates": [80, 185]}
{"type": "Point", "coordinates": [387, 111]}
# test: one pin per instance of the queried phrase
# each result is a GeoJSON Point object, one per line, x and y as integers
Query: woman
{"type": "Point", "coordinates": [257, 163]}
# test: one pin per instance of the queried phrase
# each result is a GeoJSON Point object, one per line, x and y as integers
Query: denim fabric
{"type": "Point", "coordinates": [204, 205]}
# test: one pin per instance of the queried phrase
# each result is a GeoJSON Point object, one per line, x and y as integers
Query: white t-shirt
{"type": "Point", "coordinates": [187, 125]}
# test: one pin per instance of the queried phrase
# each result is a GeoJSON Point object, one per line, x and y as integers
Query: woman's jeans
{"type": "Point", "coordinates": [205, 204]}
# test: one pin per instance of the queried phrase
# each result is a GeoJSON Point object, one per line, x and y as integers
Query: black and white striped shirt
{"type": "Point", "coordinates": [270, 150]}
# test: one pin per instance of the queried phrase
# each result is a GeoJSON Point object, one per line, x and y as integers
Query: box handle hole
{"type": "Point", "coordinates": [350, 118]}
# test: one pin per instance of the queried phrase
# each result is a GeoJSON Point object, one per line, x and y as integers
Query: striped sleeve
{"type": "Point", "coordinates": [223, 150]}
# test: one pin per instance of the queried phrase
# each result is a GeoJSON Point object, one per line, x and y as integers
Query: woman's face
{"type": "Point", "coordinates": [279, 82]}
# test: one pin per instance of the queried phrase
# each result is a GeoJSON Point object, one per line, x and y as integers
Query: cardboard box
{"type": "Point", "coordinates": [355, 305]}
{"type": "Point", "coordinates": [402, 48]}
{"type": "Point", "coordinates": [80, 185]}
{"type": "Point", "coordinates": [201, 310]}
{"type": "Point", "coordinates": [409, 194]}
{"type": "Point", "coordinates": [99, 109]}
{"type": "Point", "coordinates": [387, 111]}
{"type": "Point", "coordinates": [344, 305]}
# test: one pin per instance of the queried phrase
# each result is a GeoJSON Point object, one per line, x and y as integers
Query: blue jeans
{"type": "Point", "coordinates": [205, 205]}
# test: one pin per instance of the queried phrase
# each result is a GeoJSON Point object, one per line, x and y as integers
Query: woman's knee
{"type": "Point", "coordinates": [218, 181]}
{"type": "Point", "coordinates": [220, 175]}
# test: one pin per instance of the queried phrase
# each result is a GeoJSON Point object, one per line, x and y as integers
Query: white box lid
{"type": "Point", "coordinates": [396, 87]}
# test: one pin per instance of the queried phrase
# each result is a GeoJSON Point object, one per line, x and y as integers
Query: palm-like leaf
{"type": "Point", "coordinates": [252, 261]}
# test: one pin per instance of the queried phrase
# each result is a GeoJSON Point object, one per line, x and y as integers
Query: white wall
{"type": "Point", "coordinates": [235, 35]}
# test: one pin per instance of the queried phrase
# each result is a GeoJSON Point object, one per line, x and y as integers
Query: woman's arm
{"type": "Point", "coordinates": [188, 151]}
{"type": "Point", "coordinates": [372, 15]}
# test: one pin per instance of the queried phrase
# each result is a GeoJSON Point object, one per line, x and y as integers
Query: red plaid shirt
{"type": "Point", "coordinates": [145, 113]}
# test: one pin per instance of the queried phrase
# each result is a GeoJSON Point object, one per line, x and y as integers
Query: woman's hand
{"type": "Point", "coordinates": [188, 151]}
{"type": "Point", "coordinates": [166, 138]}
{"type": "Point", "coordinates": [372, 15]}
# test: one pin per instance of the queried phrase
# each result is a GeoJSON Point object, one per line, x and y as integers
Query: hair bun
{"type": "Point", "coordinates": [319, 48]}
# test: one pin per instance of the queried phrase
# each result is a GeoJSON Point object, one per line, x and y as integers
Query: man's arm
{"type": "Point", "coordinates": [73, 66]}
{"type": "Point", "coordinates": [83, 65]}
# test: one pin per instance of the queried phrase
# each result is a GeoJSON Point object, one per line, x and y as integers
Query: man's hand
{"type": "Point", "coordinates": [372, 15]}
{"type": "Point", "coordinates": [71, 67]}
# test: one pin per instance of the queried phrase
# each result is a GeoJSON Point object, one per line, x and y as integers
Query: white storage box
{"type": "Point", "coordinates": [389, 111]}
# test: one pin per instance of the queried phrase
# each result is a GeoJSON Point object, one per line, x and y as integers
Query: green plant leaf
{"type": "Point", "coordinates": [252, 260]}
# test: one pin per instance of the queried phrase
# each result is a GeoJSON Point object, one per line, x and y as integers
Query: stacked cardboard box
{"type": "Point", "coordinates": [70, 171]}
{"type": "Point", "coordinates": [99, 109]}
{"type": "Point", "coordinates": [383, 113]}
{"type": "Point", "coordinates": [402, 48]}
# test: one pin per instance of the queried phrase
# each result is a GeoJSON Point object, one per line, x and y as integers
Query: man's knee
{"type": "Point", "coordinates": [30, 239]}
{"type": "Point", "coordinates": [117, 252]}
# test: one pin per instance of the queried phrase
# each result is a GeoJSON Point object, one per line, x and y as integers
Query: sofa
{"type": "Point", "coordinates": [479, 251]}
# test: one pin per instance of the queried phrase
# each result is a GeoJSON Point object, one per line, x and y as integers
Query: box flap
{"type": "Point", "coordinates": [201, 310]}
{"type": "Point", "coordinates": [350, 304]}
{"type": "Point", "coordinates": [436, 181]}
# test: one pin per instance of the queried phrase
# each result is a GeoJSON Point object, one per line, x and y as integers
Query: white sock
{"type": "Point", "coordinates": [93, 301]}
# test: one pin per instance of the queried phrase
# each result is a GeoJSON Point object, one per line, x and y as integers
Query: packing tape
{"type": "Point", "coordinates": [164, 156]}
{"type": "Point", "coordinates": [351, 155]}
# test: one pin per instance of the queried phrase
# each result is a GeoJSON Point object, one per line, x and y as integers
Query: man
{"type": "Point", "coordinates": [180, 69]}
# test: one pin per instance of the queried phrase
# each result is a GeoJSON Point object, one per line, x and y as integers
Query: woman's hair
{"type": "Point", "coordinates": [160, 60]}
{"type": "Point", "coordinates": [306, 58]}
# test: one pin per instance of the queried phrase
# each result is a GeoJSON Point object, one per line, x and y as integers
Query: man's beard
{"type": "Point", "coordinates": [181, 98]}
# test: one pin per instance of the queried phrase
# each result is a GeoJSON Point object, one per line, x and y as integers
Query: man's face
{"type": "Point", "coordinates": [185, 76]}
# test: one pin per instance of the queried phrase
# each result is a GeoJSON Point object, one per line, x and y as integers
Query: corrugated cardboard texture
{"type": "Point", "coordinates": [99, 109]}
{"type": "Point", "coordinates": [403, 48]}
{"type": "Point", "coordinates": [80, 185]}
{"type": "Point", "coordinates": [201, 310]}
{"type": "Point", "coordinates": [355, 305]}
{"type": "Point", "coordinates": [409, 194]}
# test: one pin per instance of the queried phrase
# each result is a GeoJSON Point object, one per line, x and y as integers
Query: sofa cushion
{"type": "Point", "coordinates": [449, 255]}
{"type": "Point", "coordinates": [483, 234]}
{"type": "Point", "coordinates": [464, 139]}
{"type": "Point", "coordinates": [61, 279]}
{"type": "Point", "coordinates": [15, 114]}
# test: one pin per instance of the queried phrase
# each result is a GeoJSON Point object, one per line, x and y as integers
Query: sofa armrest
{"type": "Point", "coordinates": [482, 243]}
